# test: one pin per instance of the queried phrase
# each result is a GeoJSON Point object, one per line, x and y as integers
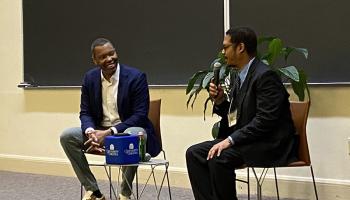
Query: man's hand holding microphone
{"type": "Point", "coordinates": [216, 92]}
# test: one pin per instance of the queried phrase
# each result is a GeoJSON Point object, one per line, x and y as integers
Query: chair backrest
{"type": "Point", "coordinates": [154, 117]}
{"type": "Point", "coordinates": [300, 112]}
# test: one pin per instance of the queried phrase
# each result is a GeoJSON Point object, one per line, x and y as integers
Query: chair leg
{"type": "Point", "coordinates": [81, 191]}
{"type": "Point", "coordinates": [278, 195]}
{"type": "Point", "coordinates": [127, 182]}
{"type": "Point", "coordinates": [248, 183]}
{"type": "Point", "coordinates": [167, 177]}
{"type": "Point", "coordinates": [137, 184]}
{"type": "Point", "coordinates": [258, 186]}
{"type": "Point", "coordinates": [313, 180]}
{"type": "Point", "coordinates": [110, 183]}
{"type": "Point", "coordinates": [259, 182]}
{"type": "Point", "coordinates": [110, 180]}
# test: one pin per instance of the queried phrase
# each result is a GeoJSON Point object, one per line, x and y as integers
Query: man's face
{"type": "Point", "coordinates": [230, 51]}
{"type": "Point", "coordinates": [106, 57]}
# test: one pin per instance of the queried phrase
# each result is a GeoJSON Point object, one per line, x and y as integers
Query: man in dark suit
{"type": "Point", "coordinates": [114, 99]}
{"type": "Point", "coordinates": [256, 127]}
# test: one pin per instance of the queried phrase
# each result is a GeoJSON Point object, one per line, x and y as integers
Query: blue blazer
{"type": "Point", "coordinates": [133, 103]}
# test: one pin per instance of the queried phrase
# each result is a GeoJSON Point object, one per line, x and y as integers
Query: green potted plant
{"type": "Point", "coordinates": [270, 51]}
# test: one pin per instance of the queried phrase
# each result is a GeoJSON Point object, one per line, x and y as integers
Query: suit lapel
{"type": "Point", "coordinates": [98, 92]}
{"type": "Point", "coordinates": [243, 90]}
{"type": "Point", "coordinates": [121, 87]}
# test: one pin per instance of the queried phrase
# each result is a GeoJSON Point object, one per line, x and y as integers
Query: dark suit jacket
{"type": "Point", "coordinates": [133, 103]}
{"type": "Point", "coordinates": [264, 134]}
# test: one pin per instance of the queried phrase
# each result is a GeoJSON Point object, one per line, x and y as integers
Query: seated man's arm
{"type": "Point", "coordinates": [87, 122]}
{"type": "Point", "coordinates": [221, 109]}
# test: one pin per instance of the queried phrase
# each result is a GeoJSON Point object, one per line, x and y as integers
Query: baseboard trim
{"type": "Point", "coordinates": [289, 186]}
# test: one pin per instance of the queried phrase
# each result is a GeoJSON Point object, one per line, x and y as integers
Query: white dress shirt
{"type": "Point", "coordinates": [109, 101]}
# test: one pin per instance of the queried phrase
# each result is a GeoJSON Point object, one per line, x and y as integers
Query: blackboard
{"type": "Point", "coordinates": [169, 40]}
{"type": "Point", "coordinates": [322, 26]}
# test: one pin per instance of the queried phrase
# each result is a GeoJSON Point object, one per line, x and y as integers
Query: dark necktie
{"type": "Point", "coordinates": [236, 87]}
{"type": "Point", "coordinates": [236, 81]}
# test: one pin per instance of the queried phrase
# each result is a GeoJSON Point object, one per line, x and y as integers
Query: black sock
{"type": "Point", "coordinates": [97, 194]}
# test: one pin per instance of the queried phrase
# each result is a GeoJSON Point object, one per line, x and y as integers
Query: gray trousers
{"type": "Point", "coordinates": [72, 141]}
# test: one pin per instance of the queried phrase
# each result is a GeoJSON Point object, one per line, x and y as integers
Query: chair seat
{"type": "Point", "coordinates": [96, 153]}
{"type": "Point", "coordinates": [242, 166]}
{"type": "Point", "coordinates": [153, 162]}
{"type": "Point", "coordinates": [298, 163]}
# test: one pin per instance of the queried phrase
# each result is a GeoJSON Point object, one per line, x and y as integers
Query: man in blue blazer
{"type": "Point", "coordinates": [114, 99]}
{"type": "Point", "coordinates": [256, 126]}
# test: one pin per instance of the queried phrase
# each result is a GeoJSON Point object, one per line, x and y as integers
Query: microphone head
{"type": "Point", "coordinates": [216, 75]}
{"type": "Point", "coordinates": [217, 65]}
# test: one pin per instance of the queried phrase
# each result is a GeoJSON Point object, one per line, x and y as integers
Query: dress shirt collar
{"type": "Point", "coordinates": [114, 77]}
{"type": "Point", "coordinates": [243, 73]}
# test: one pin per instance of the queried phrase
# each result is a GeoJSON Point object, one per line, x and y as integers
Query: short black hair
{"type": "Point", "coordinates": [246, 36]}
{"type": "Point", "coordinates": [99, 42]}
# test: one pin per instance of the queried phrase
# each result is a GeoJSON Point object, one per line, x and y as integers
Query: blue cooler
{"type": "Point", "coordinates": [122, 149]}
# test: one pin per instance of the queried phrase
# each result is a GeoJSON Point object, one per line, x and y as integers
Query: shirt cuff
{"type": "Point", "coordinates": [114, 130]}
{"type": "Point", "coordinates": [231, 140]}
{"type": "Point", "coordinates": [88, 130]}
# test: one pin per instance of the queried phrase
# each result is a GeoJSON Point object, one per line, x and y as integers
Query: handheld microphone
{"type": "Point", "coordinates": [216, 69]}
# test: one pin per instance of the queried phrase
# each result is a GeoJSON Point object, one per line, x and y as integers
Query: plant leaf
{"type": "Point", "coordinates": [265, 61]}
{"type": "Point", "coordinates": [266, 58]}
{"type": "Point", "coordinates": [288, 50]}
{"type": "Point", "coordinates": [221, 57]}
{"type": "Point", "coordinates": [194, 99]}
{"type": "Point", "coordinates": [194, 79]}
{"type": "Point", "coordinates": [303, 80]}
{"type": "Point", "coordinates": [290, 72]}
{"type": "Point", "coordinates": [207, 79]}
{"type": "Point", "coordinates": [223, 72]}
{"type": "Point", "coordinates": [265, 39]}
{"type": "Point", "coordinates": [299, 87]}
{"type": "Point", "coordinates": [215, 129]}
{"type": "Point", "coordinates": [195, 95]}
{"type": "Point", "coordinates": [190, 97]}
{"type": "Point", "coordinates": [303, 51]}
{"type": "Point", "coordinates": [274, 51]}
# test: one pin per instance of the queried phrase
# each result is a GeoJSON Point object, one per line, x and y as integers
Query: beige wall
{"type": "Point", "coordinates": [32, 120]}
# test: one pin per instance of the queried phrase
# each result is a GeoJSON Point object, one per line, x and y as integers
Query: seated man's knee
{"type": "Point", "coordinates": [135, 130]}
{"type": "Point", "coordinates": [189, 152]}
{"type": "Point", "coordinates": [213, 161]}
{"type": "Point", "coordinates": [67, 135]}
